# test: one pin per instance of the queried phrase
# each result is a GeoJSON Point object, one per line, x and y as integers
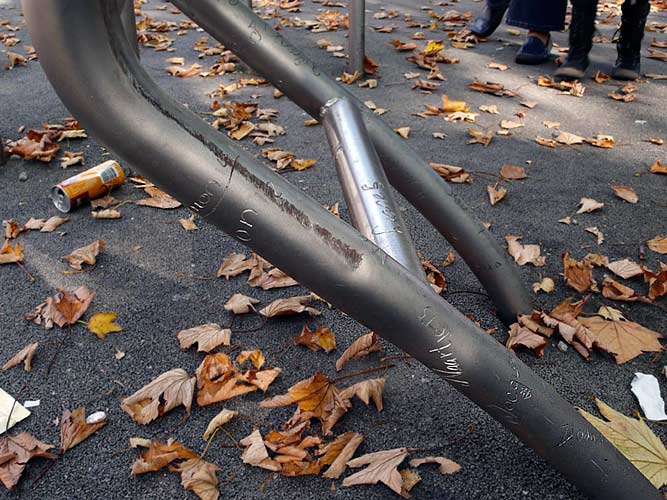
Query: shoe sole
{"type": "Point", "coordinates": [568, 73]}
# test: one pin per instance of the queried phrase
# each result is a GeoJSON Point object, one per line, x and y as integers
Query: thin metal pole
{"type": "Point", "coordinates": [365, 186]}
{"type": "Point", "coordinates": [356, 12]}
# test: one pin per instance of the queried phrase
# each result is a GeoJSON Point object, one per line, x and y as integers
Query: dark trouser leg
{"type": "Point", "coordinates": [581, 39]}
{"type": "Point", "coordinates": [633, 21]}
{"type": "Point", "coordinates": [490, 18]}
{"type": "Point", "coordinates": [537, 16]}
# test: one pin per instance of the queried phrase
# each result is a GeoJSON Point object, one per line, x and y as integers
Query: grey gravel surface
{"type": "Point", "coordinates": [157, 290]}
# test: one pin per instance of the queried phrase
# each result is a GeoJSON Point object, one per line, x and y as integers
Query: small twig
{"type": "Point", "coordinates": [391, 358]}
{"type": "Point", "coordinates": [253, 329]}
{"type": "Point", "coordinates": [180, 424]}
{"type": "Point", "coordinates": [208, 444]}
{"type": "Point", "coordinates": [30, 276]}
{"type": "Point", "coordinates": [362, 372]}
{"type": "Point", "coordinates": [191, 277]}
{"type": "Point", "coordinates": [254, 421]}
{"type": "Point", "coordinates": [231, 438]}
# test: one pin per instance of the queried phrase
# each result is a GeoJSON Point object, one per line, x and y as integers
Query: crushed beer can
{"type": "Point", "coordinates": [93, 183]}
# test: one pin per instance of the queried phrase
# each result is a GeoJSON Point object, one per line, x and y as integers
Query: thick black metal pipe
{"type": "Point", "coordinates": [106, 88]}
{"type": "Point", "coordinates": [129, 23]}
{"type": "Point", "coordinates": [274, 57]}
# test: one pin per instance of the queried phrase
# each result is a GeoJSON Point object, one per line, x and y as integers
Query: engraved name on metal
{"type": "Point", "coordinates": [452, 369]}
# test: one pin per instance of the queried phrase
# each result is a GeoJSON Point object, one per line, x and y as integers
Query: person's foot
{"type": "Point", "coordinates": [623, 72]}
{"type": "Point", "coordinates": [488, 21]}
{"type": "Point", "coordinates": [574, 68]}
{"type": "Point", "coordinates": [535, 50]}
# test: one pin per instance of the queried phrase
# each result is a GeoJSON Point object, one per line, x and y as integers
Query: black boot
{"type": "Point", "coordinates": [490, 19]}
{"type": "Point", "coordinates": [629, 44]}
{"type": "Point", "coordinates": [582, 28]}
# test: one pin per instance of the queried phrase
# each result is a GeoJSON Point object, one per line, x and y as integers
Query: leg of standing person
{"type": "Point", "coordinates": [540, 18]}
{"type": "Point", "coordinates": [582, 28]}
{"type": "Point", "coordinates": [629, 44]}
{"type": "Point", "coordinates": [490, 18]}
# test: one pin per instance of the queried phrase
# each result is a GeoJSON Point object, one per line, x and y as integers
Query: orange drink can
{"type": "Point", "coordinates": [93, 183]}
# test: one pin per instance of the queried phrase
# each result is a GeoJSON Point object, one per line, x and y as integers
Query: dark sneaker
{"type": "Point", "coordinates": [534, 51]}
{"type": "Point", "coordinates": [574, 68]}
{"type": "Point", "coordinates": [629, 43]}
{"type": "Point", "coordinates": [488, 21]}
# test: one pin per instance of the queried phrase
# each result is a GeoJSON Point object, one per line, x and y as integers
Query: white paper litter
{"type": "Point", "coordinates": [9, 405]}
{"type": "Point", "coordinates": [31, 404]}
{"type": "Point", "coordinates": [96, 417]}
{"type": "Point", "coordinates": [646, 389]}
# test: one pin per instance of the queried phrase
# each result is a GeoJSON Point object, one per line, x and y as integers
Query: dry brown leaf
{"type": "Point", "coordinates": [322, 338]}
{"type": "Point", "coordinates": [434, 277]}
{"type": "Point", "coordinates": [104, 202]}
{"type": "Point", "coordinates": [189, 223]}
{"type": "Point", "coordinates": [363, 346]}
{"type": "Point", "coordinates": [657, 282]}
{"type": "Point", "coordinates": [182, 72]}
{"type": "Point", "coordinates": [207, 337]}
{"type": "Point", "coordinates": [218, 421]}
{"type": "Point", "coordinates": [11, 254]}
{"type": "Point", "coordinates": [496, 195]}
{"type": "Point", "coordinates": [338, 452]}
{"type": "Point", "coordinates": [169, 390]}
{"type": "Point", "coordinates": [382, 467]}
{"type": "Point", "coordinates": [600, 77]}
{"type": "Point", "coordinates": [367, 390]}
{"type": "Point", "coordinates": [16, 452]}
{"type": "Point", "coordinates": [291, 305]}
{"type": "Point", "coordinates": [588, 205]}
{"type": "Point", "coordinates": [85, 255]}
{"type": "Point", "coordinates": [524, 254]}
{"type": "Point", "coordinates": [513, 172]}
{"type": "Point", "coordinates": [602, 141]}
{"type": "Point", "coordinates": [625, 268]}
{"type": "Point", "coordinates": [256, 454]}
{"type": "Point", "coordinates": [256, 357]}
{"type": "Point", "coordinates": [480, 137]}
{"type": "Point", "coordinates": [597, 233]}
{"type": "Point", "coordinates": [74, 428]}
{"type": "Point", "coordinates": [626, 193]}
{"type": "Point", "coordinates": [614, 290]}
{"type": "Point", "coordinates": [241, 131]}
{"type": "Point", "coordinates": [597, 259]}
{"type": "Point", "coordinates": [63, 308]}
{"type": "Point", "coordinates": [658, 168]}
{"type": "Point", "coordinates": [158, 455]}
{"type": "Point", "coordinates": [198, 476]}
{"type": "Point", "coordinates": [451, 173]}
{"type": "Point", "coordinates": [404, 132]}
{"type": "Point", "coordinates": [564, 318]}
{"type": "Point", "coordinates": [524, 337]}
{"type": "Point", "coordinates": [509, 124]}
{"type": "Point", "coordinates": [36, 145]}
{"type": "Point", "coordinates": [446, 466]}
{"type": "Point", "coordinates": [53, 223]}
{"type": "Point", "coordinates": [578, 275]}
{"type": "Point", "coordinates": [491, 88]}
{"type": "Point", "coordinates": [158, 199]}
{"type": "Point", "coordinates": [491, 109]}
{"type": "Point", "coordinates": [625, 340]}
{"type": "Point", "coordinates": [543, 141]}
{"type": "Point", "coordinates": [410, 479]}
{"type": "Point", "coordinates": [24, 356]}
{"type": "Point", "coordinates": [633, 438]}
{"type": "Point", "coordinates": [240, 304]}
{"type": "Point", "coordinates": [275, 278]}
{"type": "Point", "coordinates": [569, 139]}
{"type": "Point", "coordinates": [235, 264]}
{"type": "Point", "coordinates": [658, 244]}
{"type": "Point", "coordinates": [107, 214]}
{"type": "Point", "coordinates": [12, 229]}
{"type": "Point", "coordinates": [546, 285]}
{"type": "Point", "coordinates": [317, 397]}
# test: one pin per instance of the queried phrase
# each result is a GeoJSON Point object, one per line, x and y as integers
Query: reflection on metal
{"type": "Point", "coordinates": [372, 207]}
{"type": "Point", "coordinates": [356, 11]}
{"type": "Point", "coordinates": [106, 88]}
{"type": "Point", "coordinates": [129, 23]}
{"type": "Point", "coordinates": [276, 59]}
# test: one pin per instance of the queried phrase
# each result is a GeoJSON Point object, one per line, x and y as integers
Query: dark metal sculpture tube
{"type": "Point", "coordinates": [129, 23]}
{"type": "Point", "coordinates": [106, 88]}
{"type": "Point", "coordinates": [272, 56]}
{"type": "Point", "coordinates": [365, 187]}
{"type": "Point", "coordinates": [356, 32]}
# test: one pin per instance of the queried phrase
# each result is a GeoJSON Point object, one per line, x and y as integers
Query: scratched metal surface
{"type": "Point", "coordinates": [154, 300]}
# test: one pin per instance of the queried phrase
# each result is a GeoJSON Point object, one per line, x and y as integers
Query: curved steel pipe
{"type": "Point", "coordinates": [274, 57]}
{"type": "Point", "coordinates": [372, 207]}
{"type": "Point", "coordinates": [123, 108]}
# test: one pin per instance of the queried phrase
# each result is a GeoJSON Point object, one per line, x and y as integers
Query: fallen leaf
{"type": "Point", "coordinates": [382, 467]}
{"type": "Point", "coordinates": [446, 466]}
{"type": "Point", "coordinates": [16, 452]}
{"type": "Point", "coordinates": [602, 141]}
{"type": "Point", "coordinates": [610, 313]}
{"type": "Point", "coordinates": [367, 390]}
{"type": "Point", "coordinates": [498, 66]}
{"type": "Point", "coordinates": [625, 268]}
{"type": "Point", "coordinates": [24, 356]}
{"type": "Point", "coordinates": [480, 137]}
{"type": "Point", "coordinates": [597, 233]}
{"type": "Point", "coordinates": [633, 438]}
{"type": "Point", "coordinates": [626, 193]}
{"type": "Point", "coordinates": [491, 88]}
{"type": "Point", "coordinates": [600, 77]}
{"type": "Point", "coordinates": [338, 452]}
{"type": "Point", "coordinates": [207, 337]}
{"type": "Point", "coordinates": [158, 455]}
{"type": "Point", "coordinates": [63, 308]}
{"type": "Point", "coordinates": [546, 285]}
{"type": "Point", "coordinates": [658, 168]}
{"type": "Point", "coordinates": [11, 254]}
{"type": "Point", "coordinates": [107, 214]}
{"type": "Point", "coordinates": [569, 139]}
{"type": "Point", "coordinates": [524, 254]}
{"type": "Point", "coordinates": [158, 199]}
{"type": "Point", "coordinates": [509, 124]}
{"type": "Point", "coordinates": [169, 390]}
{"type": "Point", "coordinates": [291, 305]}
{"type": "Point", "coordinates": [495, 195]}
{"type": "Point", "coordinates": [74, 428]}
{"type": "Point", "coordinates": [240, 304]}
{"type": "Point", "coordinates": [322, 338]}
{"type": "Point", "coordinates": [102, 324]}
{"type": "Point", "coordinates": [256, 357]}
{"type": "Point", "coordinates": [513, 172]}
{"type": "Point", "coordinates": [524, 337]}
{"type": "Point", "coordinates": [578, 275]}
{"type": "Point", "coordinates": [363, 346]}
{"type": "Point", "coordinates": [542, 141]}
{"type": "Point", "coordinates": [53, 223]}
{"type": "Point", "coordinates": [235, 264]}
{"type": "Point", "coordinates": [410, 479]}
{"type": "Point", "coordinates": [218, 421]}
{"type": "Point", "coordinates": [625, 340]}
{"type": "Point", "coordinates": [85, 255]}
{"type": "Point", "coordinates": [256, 454]}
{"type": "Point", "coordinates": [316, 396]}
{"type": "Point", "coordinates": [492, 109]}
{"type": "Point", "coordinates": [588, 205]}
{"type": "Point", "coordinates": [199, 476]}
{"type": "Point", "coordinates": [549, 124]}
{"type": "Point", "coordinates": [404, 132]}
{"type": "Point", "coordinates": [189, 223]}
{"type": "Point", "coordinates": [657, 282]}
{"type": "Point", "coordinates": [614, 290]}
{"type": "Point", "coordinates": [658, 244]}
{"type": "Point", "coordinates": [451, 173]}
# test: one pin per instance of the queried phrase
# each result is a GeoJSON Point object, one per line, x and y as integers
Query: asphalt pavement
{"type": "Point", "coordinates": [169, 284]}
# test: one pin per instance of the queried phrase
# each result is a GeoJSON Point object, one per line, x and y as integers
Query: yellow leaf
{"type": "Point", "coordinates": [101, 324]}
{"type": "Point", "coordinates": [634, 440]}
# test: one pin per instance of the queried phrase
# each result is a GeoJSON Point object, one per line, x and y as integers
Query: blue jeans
{"type": "Point", "coordinates": [538, 15]}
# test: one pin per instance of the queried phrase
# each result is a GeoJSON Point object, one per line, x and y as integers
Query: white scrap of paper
{"type": "Point", "coordinates": [8, 405]}
{"type": "Point", "coordinates": [31, 404]}
{"type": "Point", "coordinates": [96, 417]}
{"type": "Point", "coordinates": [646, 389]}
